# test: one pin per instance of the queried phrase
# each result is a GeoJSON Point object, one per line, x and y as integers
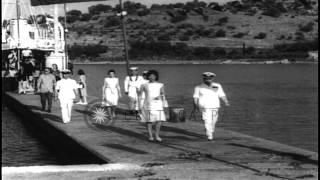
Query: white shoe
{"type": "Point", "coordinates": [79, 102]}
{"type": "Point", "coordinates": [84, 103]}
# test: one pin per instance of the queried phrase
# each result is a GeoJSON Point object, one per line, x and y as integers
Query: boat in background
{"type": "Point", "coordinates": [34, 35]}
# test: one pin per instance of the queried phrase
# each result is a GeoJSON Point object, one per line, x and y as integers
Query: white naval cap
{"type": "Point", "coordinates": [133, 68]}
{"type": "Point", "coordinates": [65, 71]}
{"type": "Point", "coordinates": [208, 74]}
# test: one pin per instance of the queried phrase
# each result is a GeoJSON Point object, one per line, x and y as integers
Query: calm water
{"type": "Point", "coordinates": [19, 146]}
{"type": "Point", "coordinates": [275, 102]}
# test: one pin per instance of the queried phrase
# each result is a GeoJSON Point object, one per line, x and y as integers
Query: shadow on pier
{"type": "Point", "coordinates": [294, 156]}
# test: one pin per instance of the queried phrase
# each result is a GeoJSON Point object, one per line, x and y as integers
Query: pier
{"type": "Point", "coordinates": [122, 150]}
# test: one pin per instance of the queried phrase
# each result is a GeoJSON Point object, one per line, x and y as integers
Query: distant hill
{"type": "Point", "coordinates": [251, 23]}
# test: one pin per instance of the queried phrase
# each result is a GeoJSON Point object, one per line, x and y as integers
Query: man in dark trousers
{"type": "Point", "coordinates": [46, 88]}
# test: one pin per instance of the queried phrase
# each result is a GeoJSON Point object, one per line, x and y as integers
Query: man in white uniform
{"type": "Point", "coordinates": [67, 92]}
{"type": "Point", "coordinates": [207, 99]}
{"type": "Point", "coordinates": [132, 85]}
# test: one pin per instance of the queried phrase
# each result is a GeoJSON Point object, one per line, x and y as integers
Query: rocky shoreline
{"type": "Point", "coordinates": [202, 62]}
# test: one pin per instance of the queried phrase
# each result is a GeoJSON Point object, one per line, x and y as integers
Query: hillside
{"type": "Point", "coordinates": [259, 24]}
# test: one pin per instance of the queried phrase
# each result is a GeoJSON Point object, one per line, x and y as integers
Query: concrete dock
{"type": "Point", "coordinates": [122, 150]}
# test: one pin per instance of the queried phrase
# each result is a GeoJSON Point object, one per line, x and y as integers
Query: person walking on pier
{"type": "Point", "coordinates": [56, 72]}
{"type": "Point", "coordinates": [67, 92]}
{"type": "Point", "coordinates": [154, 104]}
{"type": "Point", "coordinates": [82, 88]}
{"type": "Point", "coordinates": [132, 86]}
{"type": "Point", "coordinates": [142, 95]}
{"type": "Point", "coordinates": [45, 87]}
{"type": "Point", "coordinates": [111, 93]}
{"type": "Point", "coordinates": [206, 99]}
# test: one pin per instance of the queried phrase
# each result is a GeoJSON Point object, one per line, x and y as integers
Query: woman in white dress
{"type": "Point", "coordinates": [142, 95]}
{"type": "Point", "coordinates": [82, 87]}
{"type": "Point", "coordinates": [111, 92]}
{"type": "Point", "coordinates": [154, 104]}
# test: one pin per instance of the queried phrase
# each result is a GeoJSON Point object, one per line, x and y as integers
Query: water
{"type": "Point", "coordinates": [19, 145]}
{"type": "Point", "coordinates": [275, 102]}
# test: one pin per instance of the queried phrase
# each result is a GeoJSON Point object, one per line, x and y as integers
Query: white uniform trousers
{"type": "Point", "coordinates": [66, 108]}
{"type": "Point", "coordinates": [210, 118]}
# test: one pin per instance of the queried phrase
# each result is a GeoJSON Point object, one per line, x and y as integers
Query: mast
{"type": "Point", "coordinates": [18, 31]}
{"type": "Point", "coordinates": [65, 34]}
{"type": "Point", "coordinates": [122, 15]}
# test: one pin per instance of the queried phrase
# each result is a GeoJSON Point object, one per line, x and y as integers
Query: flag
{"type": "Point", "coordinates": [48, 2]}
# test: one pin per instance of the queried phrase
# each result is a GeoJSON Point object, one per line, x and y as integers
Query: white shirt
{"type": "Point", "coordinates": [209, 96]}
{"type": "Point", "coordinates": [66, 87]}
{"type": "Point", "coordinates": [133, 85]}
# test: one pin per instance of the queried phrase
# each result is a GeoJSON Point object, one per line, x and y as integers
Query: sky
{"type": "Point", "coordinates": [8, 8]}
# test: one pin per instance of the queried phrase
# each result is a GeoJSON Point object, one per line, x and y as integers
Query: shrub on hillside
{"type": "Point", "coordinates": [239, 35]}
{"type": "Point", "coordinates": [219, 51]}
{"type": "Point", "coordinates": [298, 46]}
{"type": "Point", "coordinates": [220, 33]}
{"type": "Point", "coordinates": [95, 17]}
{"type": "Point", "coordinates": [201, 52]}
{"type": "Point", "coordinates": [231, 27]}
{"type": "Point", "coordinates": [74, 13]}
{"type": "Point", "coordinates": [260, 36]}
{"type": "Point", "coordinates": [307, 27]}
{"type": "Point", "coordinates": [89, 50]}
{"type": "Point", "coordinates": [184, 38]}
{"type": "Point", "coordinates": [272, 12]}
{"type": "Point", "coordinates": [205, 17]}
{"type": "Point", "coordinates": [144, 12]}
{"type": "Point", "coordinates": [185, 26]}
{"type": "Point", "coordinates": [251, 12]}
{"type": "Point", "coordinates": [299, 36]}
{"type": "Point", "coordinates": [72, 19]}
{"type": "Point", "coordinates": [189, 32]}
{"type": "Point", "coordinates": [85, 17]}
{"type": "Point", "coordinates": [223, 20]}
{"type": "Point", "coordinates": [112, 21]}
{"type": "Point", "coordinates": [250, 50]}
{"type": "Point", "coordinates": [281, 37]}
{"type": "Point", "coordinates": [181, 49]}
{"type": "Point", "coordinates": [131, 7]}
{"type": "Point", "coordinates": [164, 37]}
{"type": "Point", "coordinates": [233, 53]}
{"type": "Point", "coordinates": [178, 18]}
{"type": "Point", "coordinates": [99, 8]}
{"type": "Point", "coordinates": [203, 32]}
{"type": "Point", "coordinates": [215, 6]}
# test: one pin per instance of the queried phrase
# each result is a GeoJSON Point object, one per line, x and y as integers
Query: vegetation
{"type": "Point", "coordinates": [261, 35]}
{"type": "Point", "coordinates": [182, 30]}
{"type": "Point", "coordinates": [86, 51]}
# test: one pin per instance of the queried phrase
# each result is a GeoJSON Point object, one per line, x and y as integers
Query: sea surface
{"type": "Point", "coordinates": [275, 102]}
{"type": "Point", "coordinates": [20, 147]}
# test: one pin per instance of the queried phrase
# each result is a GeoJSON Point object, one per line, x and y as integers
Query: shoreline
{"type": "Point", "coordinates": [195, 62]}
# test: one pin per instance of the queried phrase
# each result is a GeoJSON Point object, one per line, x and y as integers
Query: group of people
{"type": "Point", "coordinates": [55, 84]}
{"type": "Point", "coordinates": [146, 97]}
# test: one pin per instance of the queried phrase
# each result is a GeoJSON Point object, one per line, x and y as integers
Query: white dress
{"type": "Point", "coordinates": [111, 91]}
{"type": "Point", "coordinates": [153, 107]}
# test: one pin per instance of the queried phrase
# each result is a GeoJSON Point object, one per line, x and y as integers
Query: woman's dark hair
{"type": "Point", "coordinates": [110, 71]}
{"type": "Point", "coordinates": [81, 72]}
{"type": "Point", "coordinates": [154, 72]}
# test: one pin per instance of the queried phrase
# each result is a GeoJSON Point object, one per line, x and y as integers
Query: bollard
{"type": "Point", "coordinates": [176, 114]}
